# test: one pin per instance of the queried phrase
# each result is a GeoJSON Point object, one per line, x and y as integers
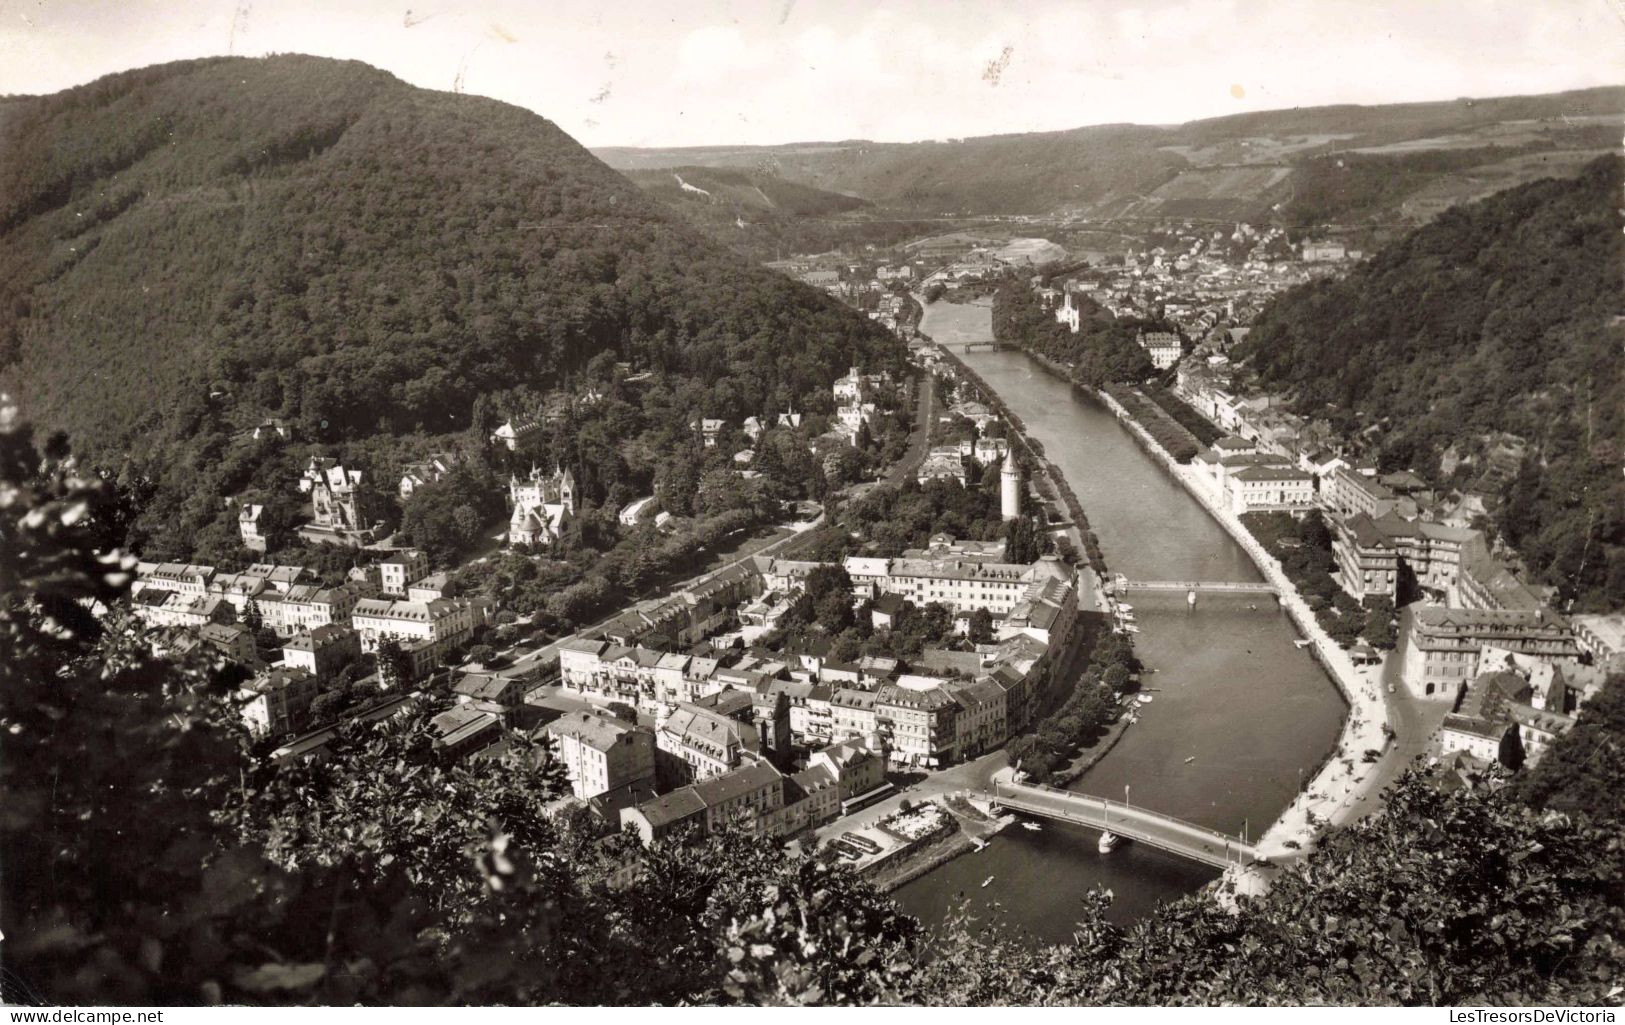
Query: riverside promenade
{"type": "Point", "coordinates": [1345, 787]}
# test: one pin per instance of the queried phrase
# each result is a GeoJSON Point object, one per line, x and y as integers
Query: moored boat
{"type": "Point", "coordinates": [1108, 840]}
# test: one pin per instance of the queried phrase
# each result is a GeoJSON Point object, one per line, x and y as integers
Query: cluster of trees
{"type": "Point", "coordinates": [590, 581]}
{"type": "Point", "coordinates": [763, 216]}
{"type": "Point", "coordinates": [1088, 709]}
{"type": "Point", "coordinates": [893, 518]}
{"type": "Point", "coordinates": [1353, 187]}
{"type": "Point", "coordinates": [1497, 319]}
{"type": "Point", "coordinates": [276, 251]}
{"type": "Point", "coordinates": [445, 518]}
{"type": "Point", "coordinates": [1304, 549]}
{"type": "Point", "coordinates": [1102, 352]}
{"type": "Point", "coordinates": [824, 610]}
{"type": "Point", "coordinates": [1198, 425]}
{"type": "Point", "coordinates": [1584, 772]}
{"type": "Point", "coordinates": [382, 875]}
{"type": "Point", "coordinates": [1168, 432]}
{"type": "Point", "coordinates": [1044, 172]}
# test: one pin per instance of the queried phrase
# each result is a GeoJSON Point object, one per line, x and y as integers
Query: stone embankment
{"type": "Point", "coordinates": [1335, 794]}
{"type": "Point", "coordinates": [1345, 782]}
{"type": "Point", "coordinates": [1083, 536]}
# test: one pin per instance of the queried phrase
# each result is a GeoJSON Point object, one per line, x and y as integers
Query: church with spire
{"type": "Point", "coordinates": [542, 505]}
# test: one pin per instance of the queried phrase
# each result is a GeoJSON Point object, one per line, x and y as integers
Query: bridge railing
{"type": "Point", "coordinates": [1014, 789]}
{"type": "Point", "coordinates": [1196, 585]}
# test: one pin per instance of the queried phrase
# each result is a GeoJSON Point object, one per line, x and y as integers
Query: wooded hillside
{"type": "Point", "coordinates": [1483, 351]}
{"type": "Point", "coordinates": [189, 248]}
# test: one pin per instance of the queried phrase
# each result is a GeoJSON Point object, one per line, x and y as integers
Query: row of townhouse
{"type": "Point", "coordinates": [758, 798]}
{"type": "Point", "coordinates": [690, 615]}
{"type": "Point", "coordinates": [185, 594]}
{"type": "Point", "coordinates": [918, 720]}
{"type": "Point", "coordinates": [286, 597]}
{"type": "Point", "coordinates": [932, 721]}
{"type": "Point", "coordinates": [646, 678]}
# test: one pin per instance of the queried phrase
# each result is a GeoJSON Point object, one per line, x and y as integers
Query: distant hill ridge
{"type": "Point", "coordinates": [1117, 169]}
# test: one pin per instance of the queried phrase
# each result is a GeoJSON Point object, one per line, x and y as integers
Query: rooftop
{"type": "Point", "coordinates": [596, 731]}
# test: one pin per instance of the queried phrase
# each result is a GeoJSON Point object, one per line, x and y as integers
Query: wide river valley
{"type": "Point", "coordinates": [1237, 712]}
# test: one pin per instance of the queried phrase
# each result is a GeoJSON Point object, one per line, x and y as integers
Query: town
{"type": "Point", "coordinates": [812, 505]}
{"type": "Point", "coordinates": [699, 710]}
{"type": "Point", "coordinates": [696, 710]}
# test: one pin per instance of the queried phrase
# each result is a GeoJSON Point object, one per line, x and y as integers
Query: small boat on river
{"type": "Point", "coordinates": [989, 879]}
{"type": "Point", "coordinates": [1108, 840]}
{"type": "Point", "coordinates": [1146, 699]}
{"type": "Point", "coordinates": [1303, 643]}
{"type": "Point", "coordinates": [1031, 826]}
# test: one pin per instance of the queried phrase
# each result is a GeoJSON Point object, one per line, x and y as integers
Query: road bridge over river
{"type": "Point", "coordinates": [1154, 829]}
{"type": "Point", "coordinates": [1208, 586]}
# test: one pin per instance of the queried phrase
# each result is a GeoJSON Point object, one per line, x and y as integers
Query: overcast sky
{"type": "Point", "coordinates": [693, 72]}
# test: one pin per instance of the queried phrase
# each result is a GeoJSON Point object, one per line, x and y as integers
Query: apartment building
{"type": "Point", "coordinates": [700, 743]}
{"type": "Point", "coordinates": [402, 569]}
{"type": "Point", "coordinates": [964, 585]}
{"type": "Point", "coordinates": [277, 700]}
{"type": "Point", "coordinates": [425, 630]}
{"type": "Point", "coordinates": [1444, 645]}
{"type": "Point", "coordinates": [602, 754]}
{"type": "Point", "coordinates": [1347, 491]}
{"type": "Point", "coordinates": [323, 650]}
{"type": "Point", "coordinates": [917, 718]}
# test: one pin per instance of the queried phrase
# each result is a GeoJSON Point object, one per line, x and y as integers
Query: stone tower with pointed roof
{"type": "Point", "coordinates": [1010, 486]}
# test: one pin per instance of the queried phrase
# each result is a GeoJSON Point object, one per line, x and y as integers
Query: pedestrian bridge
{"type": "Point", "coordinates": [1213, 586]}
{"type": "Point", "coordinates": [1153, 829]}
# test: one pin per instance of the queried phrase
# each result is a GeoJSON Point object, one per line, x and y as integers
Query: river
{"type": "Point", "coordinates": [1237, 712]}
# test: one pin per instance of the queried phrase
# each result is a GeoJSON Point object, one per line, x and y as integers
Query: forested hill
{"type": "Point", "coordinates": [188, 248]}
{"type": "Point", "coordinates": [1485, 349]}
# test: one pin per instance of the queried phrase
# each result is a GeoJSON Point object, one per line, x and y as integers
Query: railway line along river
{"type": "Point", "coordinates": [1238, 712]}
